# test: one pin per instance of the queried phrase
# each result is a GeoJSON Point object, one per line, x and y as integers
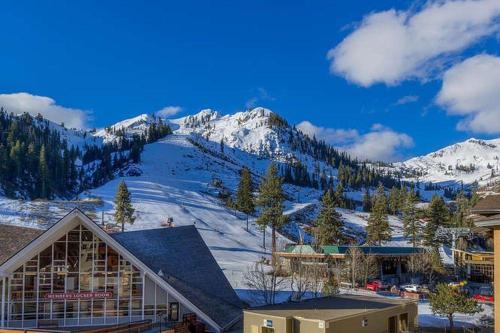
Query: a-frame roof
{"type": "Point", "coordinates": [188, 265]}
{"type": "Point", "coordinates": [190, 293]}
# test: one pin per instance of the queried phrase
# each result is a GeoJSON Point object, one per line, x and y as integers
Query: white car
{"type": "Point", "coordinates": [412, 288]}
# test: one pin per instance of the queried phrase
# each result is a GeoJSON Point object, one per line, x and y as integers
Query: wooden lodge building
{"type": "Point", "coordinates": [74, 274]}
{"type": "Point", "coordinates": [486, 213]}
{"type": "Point", "coordinates": [477, 265]}
{"type": "Point", "coordinates": [391, 260]}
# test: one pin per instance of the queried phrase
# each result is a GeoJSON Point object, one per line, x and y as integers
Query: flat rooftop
{"type": "Point", "coordinates": [329, 308]}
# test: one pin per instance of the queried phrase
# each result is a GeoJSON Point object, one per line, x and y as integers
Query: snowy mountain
{"type": "Point", "coordinates": [136, 125]}
{"type": "Point", "coordinates": [248, 131]}
{"type": "Point", "coordinates": [470, 161]}
{"type": "Point", "coordinates": [185, 175]}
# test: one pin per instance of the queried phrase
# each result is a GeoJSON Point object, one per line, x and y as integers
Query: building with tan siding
{"type": "Point", "coordinates": [334, 314]}
{"type": "Point", "coordinates": [486, 213]}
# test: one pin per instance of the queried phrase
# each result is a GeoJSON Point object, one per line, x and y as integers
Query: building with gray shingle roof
{"type": "Point", "coordinates": [186, 264]}
{"type": "Point", "coordinates": [76, 274]}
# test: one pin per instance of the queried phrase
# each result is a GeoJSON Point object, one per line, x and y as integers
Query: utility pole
{"type": "Point", "coordinates": [264, 237]}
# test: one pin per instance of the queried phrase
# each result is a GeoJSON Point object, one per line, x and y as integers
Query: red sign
{"type": "Point", "coordinates": [79, 295]}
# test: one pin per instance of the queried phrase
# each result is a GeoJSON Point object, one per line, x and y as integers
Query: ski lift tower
{"type": "Point", "coordinates": [454, 233]}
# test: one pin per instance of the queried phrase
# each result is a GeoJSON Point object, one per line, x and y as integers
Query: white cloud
{"type": "Point", "coordinates": [169, 111]}
{"type": "Point", "coordinates": [407, 100]}
{"type": "Point", "coordinates": [471, 89]}
{"type": "Point", "coordinates": [333, 136]}
{"type": "Point", "coordinates": [261, 96]}
{"type": "Point", "coordinates": [46, 106]}
{"type": "Point", "coordinates": [380, 144]}
{"type": "Point", "coordinates": [392, 46]}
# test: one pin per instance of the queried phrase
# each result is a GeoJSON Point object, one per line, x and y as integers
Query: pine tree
{"type": "Point", "coordinates": [244, 195]}
{"type": "Point", "coordinates": [367, 201]}
{"type": "Point", "coordinates": [44, 174]}
{"type": "Point", "coordinates": [460, 217]}
{"type": "Point", "coordinates": [329, 222]}
{"type": "Point", "coordinates": [124, 211]}
{"type": "Point", "coordinates": [394, 200]}
{"type": "Point", "coordinates": [438, 217]}
{"type": "Point", "coordinates": [270, 199]}
{"type": "Point", "coordinates": [378, 229]}
{"type": "Point", "coordinates": [448, 300]}
{"type": "Point", "coordinates": [411, 223]}
{"type": "Point", "coordinates": [339, 195]}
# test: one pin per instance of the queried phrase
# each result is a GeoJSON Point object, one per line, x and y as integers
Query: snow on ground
{"type": "Point", "coordinates": [427, 319]}
{"type": "Point", "coordinates": [177, 182]}
{"type": "Point", "coordinates": [446, 255]}
{"type": "Point", "coordinates": [425, 316]}
{"type": "Point", "coordinates": [357, 221]}
{"type": "Point", "coordinates": [174, 184]}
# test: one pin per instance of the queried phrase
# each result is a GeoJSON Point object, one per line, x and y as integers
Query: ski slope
{"type": "Point", "coordinates": [174, 184]}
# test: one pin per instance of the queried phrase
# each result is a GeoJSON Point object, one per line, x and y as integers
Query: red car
{"type": "Point", "coordinates": [484, 298]}
{"type": "Point", "coordinates": [375, 285]}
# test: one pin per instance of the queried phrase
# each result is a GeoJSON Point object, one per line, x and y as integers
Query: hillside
{"type": "Point", "coordinates": [183, 175]}
{"type": "Point", "coordinates": [465, 162]}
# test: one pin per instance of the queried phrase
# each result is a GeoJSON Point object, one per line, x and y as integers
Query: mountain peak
{"type": "Point", "coordinates": [467, 161]}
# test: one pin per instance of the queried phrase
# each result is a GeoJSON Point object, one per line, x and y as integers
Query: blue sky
{"type": "Point", "coordinates": [117, 59]}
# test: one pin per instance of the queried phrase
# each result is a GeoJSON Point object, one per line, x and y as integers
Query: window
{"type": "Point", "coordinates": [98, 308]}
{"type": "Point", "coordinates": [124, 307]}
{"type": "Point", "coordinates": [99, 282]}
{"type": "Point", "coordinates": [85, 307]}
{"type": "Point", "coordinates": [403, 322]}
{"type": "Point", "coordinates": [58, 279]}
{"type": "Point", "coordinates": [112, 260]}
{"type": "Point", "coordinates": [173, 311]}
{"type": "Point", "coordinates": [86, 256]}
{"type": "Point", "coordinates": [71, 309]}
{"type": "Point", "coordinates": [73, 257]}
{"type": "Point", "coordinates": [77, 262]}
{"type": "Point", "coordinates": [393, 326]}
{"type": "Point", "coordinates": [111, 307]}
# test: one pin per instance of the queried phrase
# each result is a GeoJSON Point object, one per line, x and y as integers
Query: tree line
{"type": "Point", "coordinates": [36, 162]}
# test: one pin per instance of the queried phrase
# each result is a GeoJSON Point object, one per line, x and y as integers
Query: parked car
{"type": "Point", "coordinates": [375, 285]}
{"type": "Point", "coordinates": [485, 294]}
{"type": "Point", "coordinates": [484, 298]}
{"type": "Point", "coordinates": [487, 321]}
{"type": "Point", "coordinates": [412, 288]}
{"type": "Point", "coordinates": [457, 284]}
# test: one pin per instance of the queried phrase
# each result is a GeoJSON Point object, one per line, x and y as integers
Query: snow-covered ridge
{"type": "Point", "coordinates": [248, 131]}
{"type": "Point", "coordinates": [74, 137]}
{"type": "Point", "coordinates": [136, 125]}
{"type": "Point", "coordinates": [470, 161]}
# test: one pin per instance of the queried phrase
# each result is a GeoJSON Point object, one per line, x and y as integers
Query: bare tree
{"type": "Point", "coordinates": [300, 282]}
{"type": "Point", "coordinates": [360, 266]}
{"type": "Point", "coordinates": [335, 270]}
{"type": "Point", "coordinates": [354, 260]}
{"type": "Point", "coordinates": [316, 273]}
{"type": "Point", "coordinates": [265, 281]}
{"type": "Point", "coordinates": [431, 265]}
{"type": "Point", "coordinates": [369, 267]}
